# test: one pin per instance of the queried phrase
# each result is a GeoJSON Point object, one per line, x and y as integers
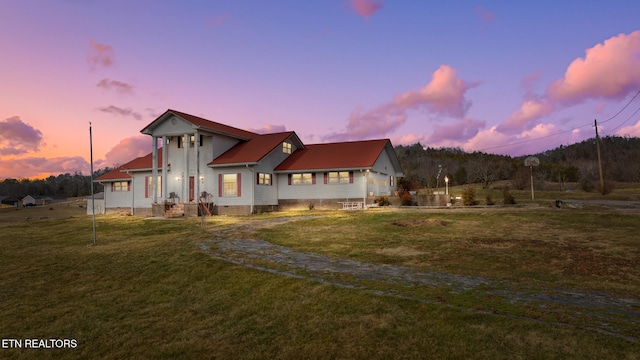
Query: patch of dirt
{"type": "Point", "coordinates": [420, 222]}
{"type": "Point", "coordinates": [402, 251]}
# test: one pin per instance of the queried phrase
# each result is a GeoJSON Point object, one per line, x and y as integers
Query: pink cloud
{"type": "Point", "coordinates": [17, 137]}
{"type": "Point", "coordinates": [633, 130]}
{"type": "Point", "coordinates": [111, 109]}
{"type": "Point", "coordinates": [455, 132]}
{"type": "Point", "coordinates": [127, 150]}
{"type": "Point", "coordinates": [485, 15]}
{"type": "Point", "coordinates": [374, 123]}
{"type": "Point", "coordinates": [365, 8]}
{"type": "Point", "coordinates": [269, 129]}
{"type": "Point", "coordinates": [100, 54]}
{"type": "Point", "coordinates": [40, 167]}
{"type": "Point", "coordinates": [408, 139]}
{"type": "Point", "coordinates": [444, 94]}
{"type": "Point", "coordinates": [218, 20]}
{"type": "Point", "coordinates": [118, 86]}
{"type": "Point", "coordinates": [610, 70]}
{"type": "Point", "coordinates": [530, 110]}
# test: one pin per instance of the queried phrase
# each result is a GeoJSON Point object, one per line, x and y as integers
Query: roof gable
{"type": "Point", "coordinates": [343, 155]}
{"type": "Point", "coordinates": [199, 123]}
{"type": "Point", "coordinates": [253, 150]}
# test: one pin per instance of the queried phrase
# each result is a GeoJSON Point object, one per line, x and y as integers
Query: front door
{"type": "Point", "coordinates": [191, 187]}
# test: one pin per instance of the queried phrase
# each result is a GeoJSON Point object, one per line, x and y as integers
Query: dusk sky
{"type": "Point", "coordinates": [516, 77]}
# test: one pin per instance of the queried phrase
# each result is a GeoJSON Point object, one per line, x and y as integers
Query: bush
{"type": "Point", "coordinates": [469, 196]}
{"type": "Point", "coordinates": [382, 201]}
{"type": "Point", "coordinates": [507, 197]}
{"type": "Point", "coordinates": [406, 199]}
{"type": "Point", "coordinates": [489, 200]}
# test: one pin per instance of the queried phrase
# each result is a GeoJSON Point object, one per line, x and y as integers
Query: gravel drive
{"type": "Point", "coordinates": [236, 244]}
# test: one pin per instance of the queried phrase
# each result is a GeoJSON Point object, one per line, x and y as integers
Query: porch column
{"type": "Point", "coordinates": [165, 165]}
{"type": "Point", "coordinates": [196, 177]}
{"type": "Point", "coordinates": [154, 170]}
{"type": "Point", "coordinates": [185, 176]}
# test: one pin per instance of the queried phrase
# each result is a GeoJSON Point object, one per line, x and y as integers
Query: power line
{"type": "Point", "coordinates": [621, 110]}
{"type": "Point", "coordinates": [570, 130]}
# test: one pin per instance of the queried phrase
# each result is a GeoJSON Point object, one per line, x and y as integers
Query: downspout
{"type": "Point", "coordinates": [252, 187]}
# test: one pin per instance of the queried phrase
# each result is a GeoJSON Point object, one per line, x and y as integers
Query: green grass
{"type": "Point", "coordinates": [147, 291]}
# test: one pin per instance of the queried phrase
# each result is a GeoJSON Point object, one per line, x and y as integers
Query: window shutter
{"type": "Point", "coordinates": [128, 185]}
{"type": "Point", "coordinates": [219, 185]}
{"type": "Point", "coordinates": [257, 178]}
{"type": "Point", "coordinates": [113, 186]}
{"type": "Point", "coordinates": [289, 179]}
{"type": "Point", "coordinates": [239, 184]}
{"type": "Point", "coordinates": [146, 186]}
{"type": "Point", "coordinates": [326, 178]}
{"type": "Point", "coordinates": [313, 178]}
{"type": "Point", "coordinates": [270, 179]}
{"type": "Point", "coordinates": [350, 177]}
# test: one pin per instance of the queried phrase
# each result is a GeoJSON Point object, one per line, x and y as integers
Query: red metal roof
{"type": "Point", "coordinates": [141, 163]}
{"type": "Point", "coordinates": [344, 155]}
{"type": "Point", "coordinates": [203, 123]}
{"type": "Point", "coordinates": [253, 150]}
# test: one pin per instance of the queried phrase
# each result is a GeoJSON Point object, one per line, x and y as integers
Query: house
{"type": "Point", "coordinates": [8, 201]}
{"type": "Point", "coordinates": [31, 200]}
{"type": "Point", "coordinates": [201, 166]}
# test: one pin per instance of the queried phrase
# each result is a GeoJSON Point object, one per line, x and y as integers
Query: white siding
{"type": "Point", "coordinates": [320, 190]}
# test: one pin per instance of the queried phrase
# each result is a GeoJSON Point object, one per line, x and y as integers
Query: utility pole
{"type": "Point", "coordinates": [595, 123]}
{"type": "Point", "coordinates": [93, 199]}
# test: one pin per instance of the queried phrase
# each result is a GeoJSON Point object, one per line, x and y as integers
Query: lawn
{"type": "Point", "coordinates": [146, 290]}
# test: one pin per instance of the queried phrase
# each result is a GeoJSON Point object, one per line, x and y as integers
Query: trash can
{"type": "Point", "coordinates": [558, 203]}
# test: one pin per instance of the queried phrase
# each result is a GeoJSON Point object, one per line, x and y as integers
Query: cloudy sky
{"type": "Point", "coordinates": [501, 77]}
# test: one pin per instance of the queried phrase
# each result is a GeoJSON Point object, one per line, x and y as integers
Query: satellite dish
{"type": "Point", "coordinates": [531, 161]}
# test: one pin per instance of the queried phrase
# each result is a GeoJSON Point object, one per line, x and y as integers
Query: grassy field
{"type": "Point", "coordinates": [146, 290]}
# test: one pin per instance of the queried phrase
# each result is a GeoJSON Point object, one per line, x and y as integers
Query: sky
{"type": "Point", "coordinates": [515, 78]}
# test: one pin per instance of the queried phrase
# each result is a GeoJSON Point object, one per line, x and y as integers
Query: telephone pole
{"type": "Point", "coordinates": [595, 123]}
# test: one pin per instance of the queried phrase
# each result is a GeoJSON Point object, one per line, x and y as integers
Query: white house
{"type": "Point", "coordinates": [200, 166]}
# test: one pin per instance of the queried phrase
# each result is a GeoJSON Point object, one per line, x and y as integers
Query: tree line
{"type": "Point", "coordinates": [64, 185]}
{"type": "Point", "coordinates": [426, 167]}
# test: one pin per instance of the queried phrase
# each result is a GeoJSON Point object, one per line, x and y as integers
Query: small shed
{"type": "Point", "coordinates": [98, 205]}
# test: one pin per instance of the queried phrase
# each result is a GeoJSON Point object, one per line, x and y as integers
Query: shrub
{"type": "Point", "coordinates": [406, 199]}
{"type": "Point", "coordinates": [507, 197]}
{"type": "Point", "coordinates": [469, 196]}
{"type": "Point", "coordinates": [312, 206]}
{"type": "Point", "coordinates": [489, 200]}
{"type": "Point", "coordinates": [382, 201]}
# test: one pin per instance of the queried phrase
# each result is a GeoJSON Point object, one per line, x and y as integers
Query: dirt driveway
{"type": "Point", "coordinates": [237, 244]}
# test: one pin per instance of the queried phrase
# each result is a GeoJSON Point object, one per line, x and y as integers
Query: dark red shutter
{"type": "Point", "coordinates": [239, 184]}
{"type": "Point", "coordinates": [128, 185]}
{"type": "Point", "coordinates": [271, 180]}
{"type": "Point", "coordinates": [219, 185]}
{"type": "Point", "coordinates": [313, 178]}
{"type": "Point", "coordinates": [257, 178]}
{"type": "Point", "coordinates": [289, 179]}
{"type": "Point", "coordinates": [350, 177]}
{"type": "Point", "coordinates": [326, 178]}
{"type": "Point", "coordinates": [113, 187]}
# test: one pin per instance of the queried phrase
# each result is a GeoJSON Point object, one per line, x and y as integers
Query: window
{"type": "Point", "coordinates": [264, 179]}
{"type": "Point", "coordinates": [286, 147]}
{"type": "Point", "coordinates": [302, 179]}
{"type": "Point", "coordinates": [391, 181]}
{"type": "Point", "coordinates": [120, 186]}
{"type": "Point", "coordinates": [148, 191]}
{"type": "Point", "coordinates": [192, 140]}
{"type": "Point", "coordinates": [383, 182]}
{"type": "Point", "coordinates": [372, 181]}
{"type": "Point", "coordinates": [339, 177]}
{"type": "Point", "coordinates": [230, 185]}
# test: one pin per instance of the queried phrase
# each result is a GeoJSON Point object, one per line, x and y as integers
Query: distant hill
{"type": "Point", "coordinates": [425, 167]}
